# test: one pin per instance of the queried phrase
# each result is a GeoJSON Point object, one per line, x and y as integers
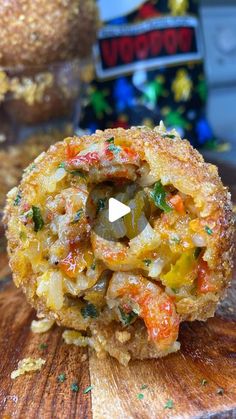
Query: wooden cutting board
{"type": "Point", "coordinates": [208, 352]}
{"type": "Point", "coordinates": [193, 379]}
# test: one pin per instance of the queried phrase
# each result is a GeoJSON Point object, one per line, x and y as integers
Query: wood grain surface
{"type": "Point", "coordinates": [208, 352]}
{"type": "Point", "coordinates": [39, 394]}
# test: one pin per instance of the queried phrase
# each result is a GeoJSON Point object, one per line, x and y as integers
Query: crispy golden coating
{"type": "Point", "coordinates": [15, 158]}
{"type": "Point", "coordinates": [42, 32]}
{"type": "Point", "coordinates": [128, 296]}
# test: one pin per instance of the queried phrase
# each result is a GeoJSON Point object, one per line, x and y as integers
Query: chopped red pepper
{"type": "Point", "coordinates": [203, 280]}
{"type": "Point", "coordinates": [71, 151]}
{"type": "Point", "coordinates": [108, 153]}
{"type": "Point", "coordinates": [177, 202]}
{"type": "Point", "coordinates": [129, 152]}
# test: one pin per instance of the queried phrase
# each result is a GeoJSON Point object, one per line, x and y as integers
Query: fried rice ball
{"type": "Point", "coordinates": [42, 32]}
{"type": "Point", "coordinates": [39, 97]}
{"type": "Point", "coordinates": [122, 290]}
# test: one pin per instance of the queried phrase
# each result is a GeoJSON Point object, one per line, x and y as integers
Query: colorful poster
{"type": "Point", "coordinates": [148, 67]}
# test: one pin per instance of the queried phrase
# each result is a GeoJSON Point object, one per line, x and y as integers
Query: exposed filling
{"type": "Point", "coordinates": [102, 272]}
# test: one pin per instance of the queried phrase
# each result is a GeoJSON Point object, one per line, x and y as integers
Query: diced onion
{"type": "Point", "coordinates": [59, 174]}
{"type": "Point", "coordinates": [118, 229]}
{"type": "Point", "coordinates": [156, 268]}
{"type": "Point", "coordinates": [199, 240]}
{"type": "Point", "coordinates": [147, 240]}
{"type": "Point", "coordinates": [50, 182]}
{"type": "Point", "coordinates": [147, 180]}
{"type": "Point", "coordinates": [50, 287]}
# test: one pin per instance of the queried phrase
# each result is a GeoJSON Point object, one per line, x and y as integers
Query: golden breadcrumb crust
{"type": "Point", "coordinates": [42, 32]}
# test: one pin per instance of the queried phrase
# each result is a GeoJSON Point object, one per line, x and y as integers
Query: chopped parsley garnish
{"type": "Point", "coordinates": [140, 396]}
{"type": "Point", "coordinates": [93, 266]}
{"type": "Point", "coordinates": [89, 310]}
{"type": "Point", "coordinates": [147, 262]}
{"type": "Point", "coordinates": [172, 136]}
{"type": "Point", "coordinates": [74, 387]}
{"type": "Point", "coordinates": [37, 218]}
{"type": "Point", "coordinates": [208, 230]}
{"type": "Point", "coordinates": [62, 165]}
{"type": "Point", "coordinates": [78, 215]}
{"type": "Point", "coordinates": [127, 318]}
{"type": "Point", "coordinates": [88, 389]}
{"type": "Point", "coordinates": [197, 252]}
{"type": "Point", "coordinates": [17, 200]}
{"type": "Point", "coordinates": [114, 148]}
{"type": "Point", "coordinates": [61, 378]}
{"type": "Point", "coordinates": [144, 386]}
{"type": "Point", "coordinates": [203, 382]}
{"type": "Point", "coordinates": [100, 205]}
{"type": "Point", "coordinates": [42, 346]}
{"type": "Point", "coordinates": [169, 404]}
{"type": "Point", "coordinates": [220, 391]}
{"type": "Point", "coordinates": [110, 140]}
{"type": "Point", "coordinates": [159, 197]}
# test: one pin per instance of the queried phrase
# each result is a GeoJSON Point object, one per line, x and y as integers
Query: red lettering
{"type": "Point", "coordinates": [141, 47]}
{"type": "Point", "coordinates": [170, 41]}
{"type": "Point", "coordinates": [185, 36]}
{"type": "Point", "coordinates": [126, 49]}
{"type": "Point", "coordinates": [109, 52]}
{"type": "Point", "coordinates": [156, 42]}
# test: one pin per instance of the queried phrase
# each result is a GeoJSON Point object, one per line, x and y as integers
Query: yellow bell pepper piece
{"type": "Point", "coordinates": [183, 272]}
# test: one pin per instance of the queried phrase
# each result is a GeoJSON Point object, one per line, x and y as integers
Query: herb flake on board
{"type": "Point", "coordinates": [61, 377]}
{"type": "Point", "coordinates": [169, 404]}
{"type": "Point", "coordinates": [74, 387]}
{"type": "Point", "coordinates": [88, 389]}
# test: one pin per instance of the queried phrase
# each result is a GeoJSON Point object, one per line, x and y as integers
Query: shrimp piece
{"type": "Point", "coordinates": [118, 256]}
{"type": "Point", "coordinates": [114, 255]}
{"type": "Point", "coordinates": [96, 160]}
{"type": "Point", "coordinates": [156, 308]}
